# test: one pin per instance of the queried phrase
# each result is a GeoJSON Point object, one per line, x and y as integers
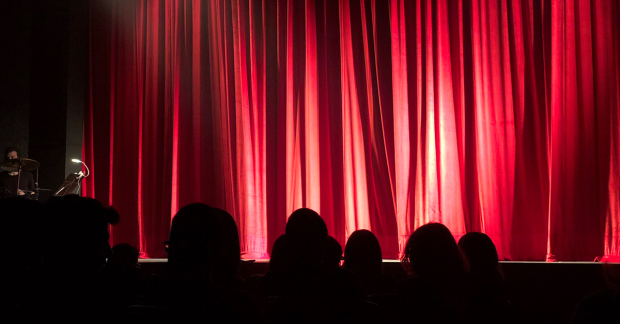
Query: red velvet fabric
{"type": "Point", "coordinates": [492, 116]}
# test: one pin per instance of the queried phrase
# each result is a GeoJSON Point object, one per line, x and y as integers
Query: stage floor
{"type": "Point", "coordinates": [164, 260]}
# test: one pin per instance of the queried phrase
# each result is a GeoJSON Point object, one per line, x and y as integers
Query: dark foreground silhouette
{"type": "Point", "coordinates": [57, 265]}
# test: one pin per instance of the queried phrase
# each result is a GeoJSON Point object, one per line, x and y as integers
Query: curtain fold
{"type": "Point", "coordinates": [494, 116]}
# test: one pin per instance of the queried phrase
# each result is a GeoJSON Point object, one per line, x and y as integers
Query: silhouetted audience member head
{"type": "Point", "coordinates": [279, 258]}
{"type": "Point", "coordinates": [332, 254]}
{"type": "Point", "coordinates": [306, 233]}
{"type": "Point", "coordinates": [78, 235]}
{"type": "Point", "coordinates": [203, 237]}
{"type": "Point", "coordinates": [121, 284]}
{"type": "Point", "coordinates": [197, 288]}
{"type": "Point", "coordinates": [480, 252]}
{"type": "Point", "coordinates": [431, 253]}
{"type": "Point", "coordinates": [488, 301]}
{"type": "Point", "coordinates": [124, 257]}
{"type": "Point", "coordinates": [362, 254]}
{"type": "Point", "coordinates": [194, 239]}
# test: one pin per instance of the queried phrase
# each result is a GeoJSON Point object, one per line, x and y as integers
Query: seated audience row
{"type": "Point", "coordinates": [62, 267]}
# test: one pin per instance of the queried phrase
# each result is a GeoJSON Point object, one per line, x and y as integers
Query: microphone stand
{"type": "Point", "coordinates": [82, 176]}
{"type": "Point", "coordinates": [19, 174]}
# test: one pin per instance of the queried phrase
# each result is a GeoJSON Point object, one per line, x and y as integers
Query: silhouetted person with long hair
{"type": "Point", "coordinates": [194, 251]}
{"type": "Point", "coordinates": [194, 241]}
{"type": "Point", "coordinates": [481, 255]}
{"type": "Point", "coordinates": [296, 268]}
{"type": "Point", "coordinates": [489, 302]}
{"type": "Point", "coordinates": [436, 292]}
{"type": "Point", "coordinates": [306, 233]}
{"type": "Point", "coordinates": [363, 257]}
{"type": "Point", "coordinates": [279, 259]}
{"type": "Point", "coordinates": [273, 283]}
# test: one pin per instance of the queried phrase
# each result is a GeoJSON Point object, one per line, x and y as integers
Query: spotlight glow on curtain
{"type": "Point", "coordinates": [493, 116]}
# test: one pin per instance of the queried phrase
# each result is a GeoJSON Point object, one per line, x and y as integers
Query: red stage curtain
{"type": "Point", "coordinates": [493, 116]}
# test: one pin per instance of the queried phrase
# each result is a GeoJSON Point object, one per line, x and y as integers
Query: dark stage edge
{"type": "Point", "coordinates": [540, 291]}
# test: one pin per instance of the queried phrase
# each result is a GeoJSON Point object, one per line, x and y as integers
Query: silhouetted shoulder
{"type": "Point", "coordinates": [601, 307]}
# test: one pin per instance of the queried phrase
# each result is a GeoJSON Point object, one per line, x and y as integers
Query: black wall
{"type": "Point", "coordinates": [15, 30]}
{"type": "Point", "coordinates": [58, 87]}
{"type": "Point", "coordinates": [43, 89]}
